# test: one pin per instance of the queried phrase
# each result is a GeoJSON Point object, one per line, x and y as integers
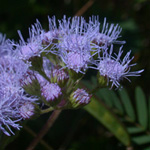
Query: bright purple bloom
{"type": "Point", "coordinates": [115, 69]}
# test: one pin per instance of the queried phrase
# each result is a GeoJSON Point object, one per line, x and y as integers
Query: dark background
{"type": "Point", "coordinates": [75, 129]}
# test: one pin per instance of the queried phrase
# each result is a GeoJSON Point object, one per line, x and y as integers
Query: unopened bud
{"type": "Point", "coordinates": [27, 110]}
{"type": "Point", "coordinates": [51, 93]}
{"type": "Point", "coordinates": [59, 76]}
{"type": "Point", "coordinates": [30, 83]}
{"type": "Point", "coordinates": [79, 98]}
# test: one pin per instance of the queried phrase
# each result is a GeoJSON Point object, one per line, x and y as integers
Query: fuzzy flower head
{"type": "Point", "coordinates": [109, 33]}
{"type": "Point", "coordinates": [79, 98]}
{"type": "Point", "coordinates": [27, 110]}
{"type": "Point", "coordinates": [74, 47]}
{"type": "Point", "coordinates": [59, 76]}
{"type": "Point", "coordinates": [114, 69]}
{"type": "Point", "coordinates": [6, 47]}
{"type": "Point", "coordinates": [76, 51]}
{"type": "Point", "coordinates": [11, 93]}
{"type": "Point", "coordinates": [50, 92]}
{"type": "Point", "coordinates": [53, 33]}
{"type": "Point", "coordinates": [33, 46]}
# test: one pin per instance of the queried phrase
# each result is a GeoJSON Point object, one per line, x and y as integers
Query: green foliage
{"type": "Point", "coordinates": [141, 107]}
{"type": "Point", "coordinates": [106, 117]}
{"type": "Point", "coordinates": [133, 113]}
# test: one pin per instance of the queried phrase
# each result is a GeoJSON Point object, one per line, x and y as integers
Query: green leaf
{"type": "Point", "coordinates": [105, 116]}
{"type": "Point", "coordinates": [127, 104]}
{"type": "Point", "coordinates": [134, 130]}
{"type": "Point", "coordinates": [105, 95]}
{"type": "Point", "coordinates": [147, 148]}
{"type": "Point", "coordinates": [144, 139]}
{"type": "Point", "coordinates": [141, 107]}
{"type": "Point", "coordinates": [94, 80]}
{"type": "Point", "coordinates": [87, 84]}
{"type": "Point", "coordinates": [116, 102]}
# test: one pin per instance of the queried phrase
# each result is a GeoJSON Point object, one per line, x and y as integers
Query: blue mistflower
{"type": "Point", "coordinates": [27, 110]}
{"type": "Point", "coordinates": [5, 45]}
{"type": "Point", "coordinates": [75, 47]}
{"type": "Point", "coordinates": [114, 69]}
{"type": "Point", "coordinates": [109, 33]}
{"type": "Point", "coordinates": [12, 95]}
{"type": "Point", "coordinates": [33, 46]}
{"type": "Point", "coordinates": [79, 98]}
{"type": "Point", "coordinates": [53, 33]}
{"type": "Point", "coordinates": [50, 91]}
{"type": "Point", "coordinates": [75, 52]}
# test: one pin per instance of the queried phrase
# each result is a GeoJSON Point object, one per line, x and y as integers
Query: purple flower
{"type": "Point", "coordinates": [79, 98]}
{"type": "Point", "coordinates": [12, 95]}
{"type": "Point", "coordinates": [59, 75]}
{"type": "Point", "coordinates": [53, 33]}
{"type": "Point", "coordinates": [75, 47]}
{"type": "Point", "coordinates": [50, 91]}
{"type": "Point", "coordinates": [113, 68]}
{"type": "Point", "coordinates": [6, 47]}
{"type": "Point", "coordinates": [27, 110]}
{"type": "Point", "coordinates": [109, 33]}
{"type": "Point", "coordinates": [33, 46]}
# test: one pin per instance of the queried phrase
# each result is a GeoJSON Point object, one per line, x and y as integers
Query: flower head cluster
{"type": "Point", "coordinates": [49, 65]}
{"type": "Point", "coordinates": [12, 95]}
{"type": "Point", "coordinates": [50, 91]}
{"type": "Point", "coordinates": [108, 34]}
{"type": "Point", "coordinates": [80, 97]}
{"type": "Point", "coordinates": [115, 69]}
{"type": "Point", "coordinates": [75, 48]}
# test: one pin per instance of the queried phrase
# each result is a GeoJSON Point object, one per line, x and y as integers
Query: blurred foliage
{"type": "Point", "coordinates": [76, 129]}
{"type": "Point", "coordinates": [134, 114]}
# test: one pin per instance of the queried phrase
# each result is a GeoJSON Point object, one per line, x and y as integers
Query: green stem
{"type": "Point", "coordinates": [47, 110]}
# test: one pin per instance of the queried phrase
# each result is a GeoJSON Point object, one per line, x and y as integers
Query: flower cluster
{"type": "Point", "coordinates": [48, 66]}
{"type": "Point", "coordinates": [12, 95]}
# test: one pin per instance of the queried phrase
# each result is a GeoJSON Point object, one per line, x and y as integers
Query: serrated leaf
{"type": "Point", "coordinates": [127, 104]}
{"type": "Point", "coordinates": [140, 140]}
{"type": "Point", "coordinates": [134, 130]}
{"type": "Point", "coordinates": [105, 95]}
{"type": "Point", "coordinates": [104, 116]}
{"type": "Point", "coordinates": [141, 107]}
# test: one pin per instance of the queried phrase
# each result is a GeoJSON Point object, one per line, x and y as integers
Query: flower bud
{"type": "Point", "coordinates": [30, 83]}
{"type": "Point", "coordinates": [59, 76]}
{"type": "Point", "coordinates": [102, 80]}
{"type": "Point", "coordinates": [79, 98]}
{"type": "Point", "coordinates": [28, 110]}
{"type": "Point", "coordinates": [51, 93]}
